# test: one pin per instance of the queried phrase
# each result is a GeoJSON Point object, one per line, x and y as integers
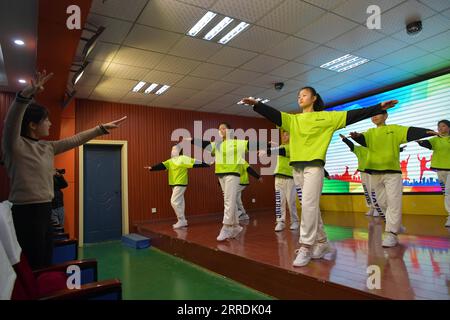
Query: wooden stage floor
{"type": "Point", "coordinates": [419, 268]}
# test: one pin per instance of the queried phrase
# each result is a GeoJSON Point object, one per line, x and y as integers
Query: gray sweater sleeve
{"type": "Point", "coordinates": [66, 144]}
{"type": "Point", "coordinates": [13, 123]}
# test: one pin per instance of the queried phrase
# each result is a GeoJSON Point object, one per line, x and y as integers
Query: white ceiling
{"type": "Point", "coordinates": [287, 41]}
{"type": "Point", "coordinates": [18, 20]}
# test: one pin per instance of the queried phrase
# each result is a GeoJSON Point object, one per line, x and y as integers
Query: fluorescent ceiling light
{"type": "Point", "coordinates": [150, 88]}
{"type": "Point", "coordinates": [19, 42]}
{"type": "Point", "coordinates": [138, 86]}
{"type": "Point", "coordinates": [233, 33]}
{"type": "Point", "coordinates": [219, 27]}
{"type": "Point", "coordinates": [78, 77]}
{"type": "Point", "coordinates": [201, 23]}
{"type": "Point", "coordinates": [162, 89]}
{"type": "Point", "coordinates": [344, 63]}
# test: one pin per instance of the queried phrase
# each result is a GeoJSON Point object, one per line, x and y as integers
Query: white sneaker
{"type": "Point", "coordinates": [294, 226]}
{"type": "Point", "coordinates": [243, 216]}
{"type": "Point", "coordinates": [279, 226]}
{"type": "Point", "coordinates": [225, 233]}
{"type": "Point", "coordinates": [303, 257]}
{"type": "Point", "coordinates": [447, 224]}
{"type": "Point", "coordinates": [320, 249]}
{"type": "Point", "coordinates": [390, 240]}
{"type": "Point", "coordinates": [236, 230]}
{"type": "Point", "coordinates": [180, 224]}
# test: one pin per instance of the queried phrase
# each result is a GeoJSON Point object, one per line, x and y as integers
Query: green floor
{"type": "Point", "coordinates": [154, 274]}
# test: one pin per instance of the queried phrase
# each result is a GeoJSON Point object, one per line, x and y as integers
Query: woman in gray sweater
{"type": "Point", "coordinates": [29, 164]}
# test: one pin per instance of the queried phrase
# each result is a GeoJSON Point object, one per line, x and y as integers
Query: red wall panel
{"type": "Point", "coordinates": [148, 132]}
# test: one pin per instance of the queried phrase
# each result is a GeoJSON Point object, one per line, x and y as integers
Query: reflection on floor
{"type": "Point", "coordinates": [419, 268]}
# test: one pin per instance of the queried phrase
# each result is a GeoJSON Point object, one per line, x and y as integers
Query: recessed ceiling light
{"type": "Point", "coordinates": [201, 23]}
{"type": "Point", "coordinates": [163, 89]}
{"type": "Point", "coordinates": [344, 63]}
{"type": "Point", "coordinates": [150, 88]}
{"type": "Point", "coordinates": [19, 42]}
{"type": "Point", "coordinates": [219, 27]}
{"type": "Point", "coordinates": [22, 81]}
{"type": "Point", "coordinates": [138, 86]}
{"type": "Point", "coordinates": [233, 33]}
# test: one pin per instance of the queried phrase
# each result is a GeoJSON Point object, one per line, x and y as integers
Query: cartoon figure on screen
{"type": "Point", "coordinates": [423, 166]}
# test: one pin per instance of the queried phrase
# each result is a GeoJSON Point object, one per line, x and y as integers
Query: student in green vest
{"type": "Point", "coordinates": [440, 162]}
{"type": "Point", "coordinates": [383, 164]}
{"type": "Point", "coordinates": [229, 157]}
{"type": "Point", "coordinates": [310, 135]}
{"type": "Point", "coordinates": [361, 154]}
{"type": "Point", "coordinates": [285, 188]}
{"type": "Point", "coordinates": [178, 166]}
{"type": "Point", "coordinates": [246, 170]}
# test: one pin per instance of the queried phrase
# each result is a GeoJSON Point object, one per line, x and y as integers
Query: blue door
{"type": "Point", "coordinates": [102, 220]}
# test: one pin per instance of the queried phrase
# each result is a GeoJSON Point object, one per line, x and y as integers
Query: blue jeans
{"type": "Point", "coordinates": [58, 216]}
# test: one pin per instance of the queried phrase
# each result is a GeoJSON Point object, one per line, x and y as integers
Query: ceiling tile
{"type": "Point", "coordinates": [319, 56]}
{"type": "Point", "coordinates": [115, 30]}
{"type": "Point", "coordinates": [232, 56]}
{"type": "Point", "coordinates": [314, 75]}
{"type": "Point", "coordinates": [148, 38]}
{"type": "Point", "coordinates": [437, 42]}
{"type": "Point", "coordinates": [391, 74]}
{"type": "Point", "coordinates": [126, 10]}
{"type": "Point", "coordinates": [437, 5]}
{"type": "Point", "coordinates": [182, 92]}
{"type": "Point", "coordinates": [291, 48]}
{"type": "Point", "coordinates": [222, 87]}
{"type": "Point", "coordinates": [355, 39]}
{"type": "Point", "coordinates": [193, 83]}
{"type": "Point", "coordinates": [401, 56]}
{"type": "Point", "coordinates": [248, 10]}
{"type": "Point", "coordinates": [396, 19]}
{"type": "Point", "coordinates": [116, 83]}
{"type": "Point", "coordinates": [241, 76]}
{"type": "Point", "coordinates": [267, 81]}
{"type": "Point", "coordinates": [444, 53]}
{"type": "Point", "coordinates": [291, 69]}
{"type": "Point", "coordinates": [170, 15]}
{"type": "Point", "coordinates": [137, 57]}
{"type": "Point", "coordinates": [380, 48]}
{"type": "Point", "coordinates": [197, 49]}
{"type": "Point", "coordinates": [211, 71]}
{"type": "Point", "coordinates": [258, 39]}
{"type": "Point", "coordinates": [161, 77]}
{"type": "Point", "coordinates": [263, 63]}
{"type": "Point", "coordinates": [88, 80]}
{"type": "Point", "coordinates": [291, 16]}
{"type": "Point", "coordinates": [431, 27]}
{"type": "Point", "coordinates": [103, 51]}
{"type": "Point", "coordinates": [97, 67]}
{"type": "Point", "coordinates": [199, 3]}
{"type": "Point", "coordinates": [356, 10]}
{"type": "Point", "coordinates": [248, 91]}
{"type": "Point", "coordinates": [125, 72]}
{"type": "Point", "coordinates": [366, 69]}
{"type": "Point", "coordinates": [425, 64]}
{"type": "Point", "coordinates": [326, 4]}
{"type": "Point", "coordinates": [177, 65]}
{"type": "Point", "coordinates": [327, 27]}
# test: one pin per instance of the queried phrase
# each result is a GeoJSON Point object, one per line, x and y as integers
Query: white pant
{"type": "Point", "coordinates": [387, 190]}
{"type": "Point", "coordinates": [310, 180]}
{"type": "Point", "coordinates": [444, 180]}
{"type": "Point", "coordinates": [239, 204]}
{"type": "Point", "coordinates": [285, 191]}
{"type": "Point", "coordinates": [229, 185]}
{"type": "Point", "coordinates": [367, 187]}
{"type": "Point", "coordinates": [177, 201]}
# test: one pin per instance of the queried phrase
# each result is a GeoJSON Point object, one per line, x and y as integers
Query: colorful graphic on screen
{"type": "Point", "coordinates": [421, 104]}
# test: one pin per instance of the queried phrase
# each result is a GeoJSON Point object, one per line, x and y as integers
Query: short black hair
{"type": "Point", "coordinates": [445, 121]}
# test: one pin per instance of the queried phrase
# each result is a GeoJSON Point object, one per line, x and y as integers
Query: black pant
{"type": "Point", "coordinates": [33, 229]}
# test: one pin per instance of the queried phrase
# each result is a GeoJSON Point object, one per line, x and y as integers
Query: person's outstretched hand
{"type": "Point", "coordinates": [388, 104]}
{"type": "Point", "coordinates": [149, 168]}
{"type": "Point", "coordinates": [36, 85]}
{"type": "Point", "coordinates": [355, 135]}
{"type": "Point", "coordinates": [114, 124]}
{"type": "Point", "coordinates": [249, 101]}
